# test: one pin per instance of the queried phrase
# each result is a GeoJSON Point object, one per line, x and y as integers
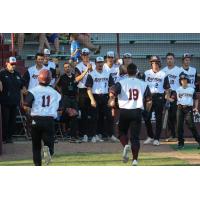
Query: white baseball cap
{"type": "Point", "coordinates": [47, 52]}
{"type": "Point", "coordinates": [127, 55]}
{"type": "Point", "coordinates": [110, 54]}
{"type": "Point", "coordinates": [99, 59]}
{"type": "Point", "coordinates": [85, 51]}
{"type": "Point", "coordinates": [12, 60]}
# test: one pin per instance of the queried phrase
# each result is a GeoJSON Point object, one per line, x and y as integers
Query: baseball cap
{"type": "Point", "coordinates": [127, 55]}
{"type": "Point", "coordinates": [110, 54]}
{"type": "Point", "coordinates": [155, 59]}
{"type": "Point", "coordinates": [12, 60]}
{"type": "Point", "coordinates": [99, 59]}
{"type": "Point", "coordinates": [183, 76]}
{"type": "Point", "coordinates": [47, 52]}
{"type": "Point", "coordinates": [85, 51]}
{"type": "Point", "coordinates": [186, 55]}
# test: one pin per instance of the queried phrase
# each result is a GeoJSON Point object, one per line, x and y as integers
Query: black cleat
{"type": "Point", "coordinates": [180, 147]}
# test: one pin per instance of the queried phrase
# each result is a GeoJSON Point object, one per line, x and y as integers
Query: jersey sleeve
{"type": "Point", "coordinates": [89, 81]}
{"type": "Point", "coordinates": [166, 84]}
{"type": "Point", "coordinates": [115, 89]}
{"type": "Point", "coordinates": [195, 96]}
{"type": "Point", "coordinates": [147, 95]}
{"type": "Point", "coordinates": [26, 79]}
{"type": "Point", "coordinates": [77, 72]}
{"type": "Point", "coordinates": [111, 81]}
{"type": "Point", "coordinates": [142, 77]}
{"type": "Point", "coordinates": [29, 100]}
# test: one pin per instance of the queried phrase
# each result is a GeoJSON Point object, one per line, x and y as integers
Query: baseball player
{"type": "Point", "coordinates": [98, 83]}
{"type": "Point", "coordinates": [186, 99]}
{"type": "Point", "coordinates": [190, 71]}
{"type": "Point", "coordinates": [31, 75]}
{"type": "Point", "coordinates": [133, 95]}
{"type": "Point", "coordinates": [81, 72]}
{"type": "Point", "coordinates": [110, 65]}
{"type": "Point", "coordinates": [158, 83]}
{"type": "Point", "coordinates": [173, 72]}
{"type": "Point", "coordinates": [43, 102]}
{"type": "Point", "coordinates": [50, 65]}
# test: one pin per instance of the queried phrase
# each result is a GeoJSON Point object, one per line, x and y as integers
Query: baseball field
{"type": "Point", "coordinates": [103, 154]}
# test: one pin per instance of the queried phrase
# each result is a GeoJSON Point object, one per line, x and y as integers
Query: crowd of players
{"type": "Point", "coordinates": [90, 98]}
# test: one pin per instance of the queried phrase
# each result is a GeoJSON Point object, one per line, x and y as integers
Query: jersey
{"type": "Point", "coordinates": [157, 82]}
{"type": "Point", "coordinates": [32, 76]}
{"type": "Point", "coordinates": [114, 70]}
{"type": "Point", "coordinates": [121, 77]}
{"type": "Point", "coordinates": [173, 76]}
{"type": "Point", "coordinates": [192, 73]}
{"type": "Point", "coordinates": [131, 93]}
{"type": "Point", "coordinates": [80, 68]}
{"type": "Point", "coordinates": [44, 101]}
{"type": "Point", "coordinates": [99, 82]}
{"type": "Point", "coordinates": [185, 96]}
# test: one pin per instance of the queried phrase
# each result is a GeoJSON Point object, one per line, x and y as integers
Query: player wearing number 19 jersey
{"type": "Point", "coordinates": [133, 96]}
{"type": "Point", "coordinates": [158, 83]}
{"type": "Point", "coordinates": [44, 102]}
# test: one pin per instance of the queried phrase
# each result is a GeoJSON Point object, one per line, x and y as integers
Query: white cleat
{"type": "Point", "coordinates": [93, 140]}
{"type": "Point", "coordinates": [98, 139]}
{"type": "Point", "coordinates": [156, 143]}
{"type": "Point", "coordinates": [125, 153]}
{"type": "Point", "coordinates": [85, 138]}
{"type": "Point", "coordinates": [47, 156]}
{"type": "Point", "coordinates": [113, 139]}
{"type": "Point", "coordinates": [148, 141]}
{"type": "Point", "coordinates": [135, 163]}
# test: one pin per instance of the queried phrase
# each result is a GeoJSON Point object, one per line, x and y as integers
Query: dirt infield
{"type": "Point", "coordinates": [22, 150]}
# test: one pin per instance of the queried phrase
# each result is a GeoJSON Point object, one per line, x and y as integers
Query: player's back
{"type": "Point", "coordinates": [132, 93]}
{"type": "Point", "coordinates": [46, 101]}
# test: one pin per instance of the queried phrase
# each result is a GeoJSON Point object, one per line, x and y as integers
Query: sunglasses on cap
{"type": "Point", "coordinates": [13, 64]}
{"type": "Point", "coordinates": [85, 54]}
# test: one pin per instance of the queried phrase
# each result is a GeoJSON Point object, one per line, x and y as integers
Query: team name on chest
{"type": "Point", "coordinates": [34, 76]}
{"type": "Point", "coordinates": [171, 76]}
{"type": "Point", "coordinates": [100, 79]}
{"type": "Point", "coordinates": [154, 79]}
{"type": "Point", "coordinates": [185, 95]}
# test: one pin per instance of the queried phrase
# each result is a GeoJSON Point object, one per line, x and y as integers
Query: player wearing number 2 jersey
{"type": "Point", "coordinates": [158, 83]}
{"type": "Point", "coordinates": [133, 96]}
{"type": "Point", "coordinates": [44, 102]}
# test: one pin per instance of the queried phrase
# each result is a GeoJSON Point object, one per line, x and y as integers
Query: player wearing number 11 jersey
{"type": "Point", "coordinates": [44, 103]}
{"type": "Point", "coordinates": [133, 96]}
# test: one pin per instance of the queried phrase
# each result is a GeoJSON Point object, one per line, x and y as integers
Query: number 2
{"type": "Point", "coordinates": [44, 99]}
{"type": "Point", "coordinates": [133, 94]}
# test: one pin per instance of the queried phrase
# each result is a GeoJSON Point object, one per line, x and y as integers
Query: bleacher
{"type": "Point", "coordinates": [141, 45]}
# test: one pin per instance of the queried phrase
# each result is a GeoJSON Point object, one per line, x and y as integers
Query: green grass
{"type": "Point", "coordinates": [91, 159]}
{"type": "Point", "coordinates": [188, 148]}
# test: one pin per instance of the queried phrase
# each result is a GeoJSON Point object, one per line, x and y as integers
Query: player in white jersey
{"type": "Point", "coordinates": [173, 72]}
{"type": "Point", "coordinates": [158, 83]}
{"type": "Point", "coordinates": [133, 96]}
{"type": "Point", "coordinates": [81, 72]}
{"type": "Point", "coordinates": [110, 65]}
{"type": "Point", "coordinates": [43, 102]}
{"type": "Point", "coordinates": [50, 65]}
{"type": "Point", "coordinates": [31, 75]}
{"type": "Point", "coordinates": [190, 71]}
{"type": "Point", "coordinates": [98, 83]}
{"type": "Point", "coordinates": [186, 99]}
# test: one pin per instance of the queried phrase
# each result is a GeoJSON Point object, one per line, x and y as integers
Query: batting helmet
{"type": "Point", "coordinates": [44, 77]}
{"type": "Point", "coordinates": [183, 76]}
{"type": "Point", "coordinates": [155, 59]}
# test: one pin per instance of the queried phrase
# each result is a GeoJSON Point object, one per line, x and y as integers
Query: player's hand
{"type": "Point", "coordinates": [111, 102]}
{"type": "Point", "coordinates": [89, 66]}
{"type": "Point", "coordinates": [170, 99]}
{"type": "Point", "coordinates": [1, 87]}
{"type": "Point", "coordinates": [195, 110]}
{"type": "Point", "coordinates": [24, 91]}
{"type": "Point", "coordinates": [93, 104]}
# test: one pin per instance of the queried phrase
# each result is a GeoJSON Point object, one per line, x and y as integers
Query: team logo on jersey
{"type": "Point", "coordinates": [172, 76]}
{"type": "Point", "coordinates": [185, 95]}
{"type": "Point", "coordinates": [34, 76]}
{"type": "Point", "coordinates": [149, 79]}
{"type": "Point", "coordinates": [100, 79]}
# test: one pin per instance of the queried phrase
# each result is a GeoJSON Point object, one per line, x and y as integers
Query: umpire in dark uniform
{"type": "Point", "coordinates": [10, 96]}
{"type": "Point", "coordinates": [67, 86]}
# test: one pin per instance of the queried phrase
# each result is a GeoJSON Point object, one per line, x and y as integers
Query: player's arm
{"type": "Point", "coordinates": [89, 84]}
{"type": "Point", "coordinates": [113, 92]}
{"type": "Point", "coordinates": [147, 99]}
{"type": "Point", "coordinates": [166, 87]}
{"type": "Point", "coordinates": [26, 79]}
{"type": "Point", "coordinates": [27, 104]}
{"type": "Point", "coordinates": [196, 102]}
{"type": "Point", "coordinates": [78, 75]}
